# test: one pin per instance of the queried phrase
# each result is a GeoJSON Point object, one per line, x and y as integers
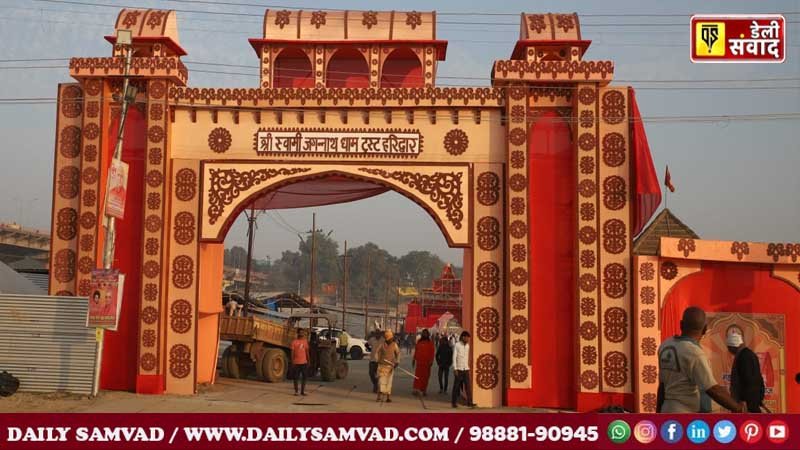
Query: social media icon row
{"type": "Point", "coordinates": [698, 432]}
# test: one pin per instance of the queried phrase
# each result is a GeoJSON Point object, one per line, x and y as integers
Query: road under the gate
{"type": "Point", "coordinates": [352, 394]}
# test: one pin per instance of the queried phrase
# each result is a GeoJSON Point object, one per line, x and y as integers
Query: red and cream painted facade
{"type": "Point", "coordinates": [720, 276]}
{"type": "Point", "coordinates": [200, 163]}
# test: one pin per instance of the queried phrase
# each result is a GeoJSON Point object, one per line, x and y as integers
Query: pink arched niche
{"type": "Point", "coordinates": [402, 68]}
{"type": "Point", "coordinates": [741, 288]}
{"type": "Point", "coordinates": [292, 69]}
{"type": "Point", "coordinates": [551, 214]}
{"type": "Point", "coordinates": [347, 68]}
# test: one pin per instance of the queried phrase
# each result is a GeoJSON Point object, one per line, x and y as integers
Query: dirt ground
{"type": "Point", "coordinates": [353, 394]}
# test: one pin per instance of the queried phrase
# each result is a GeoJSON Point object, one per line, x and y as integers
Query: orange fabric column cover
{"type": "Point", "coordinates": [208, 309]}
{"type": "Point", "coordinates": [741, 288]}
{"type": "Point", "coordinates": [552, 222]}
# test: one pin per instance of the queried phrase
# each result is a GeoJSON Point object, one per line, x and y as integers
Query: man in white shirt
{"type": "Point", "coordinates": [685, 378]}
{"type": "Point", "coordinates": [461, 370]}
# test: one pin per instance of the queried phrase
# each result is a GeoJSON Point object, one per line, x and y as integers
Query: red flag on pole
{"type": "Point", "coordinates": [648, 186]}
{"type": "Point", "coordinates": [668, 181]}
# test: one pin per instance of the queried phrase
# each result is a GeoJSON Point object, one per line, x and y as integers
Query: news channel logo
{"type": "Point", "coordinates": [645, 431]}
{"type": "Point", "coordinates": [724, 431]}
{"type": "Point", "coordinates": [671, 431]}
{"type": "Point", "coordinates": [619, 431]}
{"type": "Point", "coordinates": [698, 432]}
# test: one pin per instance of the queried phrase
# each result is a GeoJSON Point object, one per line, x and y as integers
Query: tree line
{"type": "Point", "coordinates": [368, 262]}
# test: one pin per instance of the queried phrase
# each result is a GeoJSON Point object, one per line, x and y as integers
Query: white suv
{"type": "Point", "coordinates": [357, 348]}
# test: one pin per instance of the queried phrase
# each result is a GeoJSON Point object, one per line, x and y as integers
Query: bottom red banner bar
{"type": "Point", "coordinates": [386, 431]}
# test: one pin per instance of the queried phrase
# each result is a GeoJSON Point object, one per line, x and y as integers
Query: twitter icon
{"type": "Point", "coordinates": [724, 431]}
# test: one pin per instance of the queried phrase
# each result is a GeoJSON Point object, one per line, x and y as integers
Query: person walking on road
{"type": "Point", "coordinates": [388, 360]}
{"type": "Point", "coordinates": [344, 343]}
{"type": "Point", "coordinates": [300, 358]}
{"type": "Point", "coordinates": [747, 384]}
{"type": "Point", "coordinates": [685, 378]}
{"type": "Point", "coordinates": [461, 370]}
{"type": "Point", "coordinates": [422, 362]}
{"type": "Point", "coordinates": [375, 343]}
{"type": "Point", "coordinates": [444, 359]}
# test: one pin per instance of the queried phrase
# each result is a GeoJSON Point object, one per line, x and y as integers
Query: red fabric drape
{"type": "Point", "coordinates": [120, 348]}
{"type": "Point", "coordinates": [551, 211]}
{"type": "Point", "coordinates": [326, 191]}
{"type": "Point", "coordinates": [648, 189]}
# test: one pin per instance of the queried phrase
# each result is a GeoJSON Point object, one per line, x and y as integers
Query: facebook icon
{"type": "Point", "coordinates": [671, 431]}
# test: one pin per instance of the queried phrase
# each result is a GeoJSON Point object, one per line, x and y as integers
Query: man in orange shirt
{"type": "Point", "coordinates": [300, 357]}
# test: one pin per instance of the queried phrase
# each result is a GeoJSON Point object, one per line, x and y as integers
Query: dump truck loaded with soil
{"type": "Point", "coordinates": [261, 345]}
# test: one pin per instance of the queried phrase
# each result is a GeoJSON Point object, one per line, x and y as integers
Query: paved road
{"type": "Point", "coordinates": [353, 394]}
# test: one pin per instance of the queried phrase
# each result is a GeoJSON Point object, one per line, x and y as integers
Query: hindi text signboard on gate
{"type": "Point", "coordinates": [394, 143]}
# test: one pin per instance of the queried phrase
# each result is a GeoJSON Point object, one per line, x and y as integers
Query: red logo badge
{"type": "Point", "coordinates": [738, 38]}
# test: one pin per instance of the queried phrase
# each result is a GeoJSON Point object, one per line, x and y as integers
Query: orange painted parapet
{"type": "Point", "coordinates": [154, 32]}
{"type": "Point", "coordinates": [339, 97]}
{"type": "Point", "coordinates": [731, 251]}
{"type": "Point", "coordinates": [348, 48]}
{"type": "Point", "coordinates": [349, 25]}
{"type": "Point", "coordinates": [169, 67]}
{"type": "Point", "coordinates": [550, 49]}
{"type": "Point", "coordinates": [156, 49]}
{"type": "Point", "coordinates": [514, 71]}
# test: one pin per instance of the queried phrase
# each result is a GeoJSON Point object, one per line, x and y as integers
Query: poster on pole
{"type": "Point", "coordinates": [105, 299]}
{"type": "Point", "coordinates": [764, 334]}
{"type": "Point", "coordinates": [117, 189]}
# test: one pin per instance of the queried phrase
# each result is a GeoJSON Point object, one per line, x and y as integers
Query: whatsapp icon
{"type": "Point", "coordinates": [619, 432]}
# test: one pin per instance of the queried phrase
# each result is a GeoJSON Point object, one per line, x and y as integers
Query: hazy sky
{"type": "Point", "coordinates": [735, 180]}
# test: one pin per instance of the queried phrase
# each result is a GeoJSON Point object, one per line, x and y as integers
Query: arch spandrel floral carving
{"type": "Point", "coordinates": [442, 190]}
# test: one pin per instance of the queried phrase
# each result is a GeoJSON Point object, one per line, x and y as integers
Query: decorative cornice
{"type": "Point", "coordinates": [731, 251]}
{"type": "Point", "coordinates": [356, 97]}
{"type": "Point", "coordinates": [552, 71]}
{"type": "Point", "coordinates": [157, 67]}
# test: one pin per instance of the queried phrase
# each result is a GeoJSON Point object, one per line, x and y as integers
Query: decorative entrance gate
{"type": "Point", "coordinates": [531, 177]}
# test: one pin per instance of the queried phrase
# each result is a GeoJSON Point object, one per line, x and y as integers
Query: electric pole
{"type": "Point", "coordinates": [397, 305]}
{"type": "Point", "coordinates": [313, 250]}
{"type": "Point", "coordinates": [124, 39]}
{"type": "Point", "coordinates": [251, 224]}
{"type": "Point", "coordinates": [366, 297]}
{"type": "Point", "coordinates": [344, 287]}
{"type": "Point", "coordinates": [386, 307]}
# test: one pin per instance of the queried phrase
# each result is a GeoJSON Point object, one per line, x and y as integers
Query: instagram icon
{"type": "Point", "coordinates": [645, 432]}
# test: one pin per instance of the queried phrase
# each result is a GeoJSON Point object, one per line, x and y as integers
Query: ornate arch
{"type": "Point", "coordinates": [395, 61]}
{"type": "Point", "coordinates": [443, 191]}
{"type": "Point", "coordinates": [292, 67]}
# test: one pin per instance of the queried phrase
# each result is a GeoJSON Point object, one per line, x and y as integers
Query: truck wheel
{"type": "Point", "coordinates": [224, 362]}
{"type": "Point", "coordinates": [342, 369]}
{"type": "Point", "coordinates": [327, 364]}
{"type": "Point", "coordinates": [233, 364]}
{"type": "Point", "coordinates": [356, 353]}
{"type": "Point", "coordinates": [274, 365]}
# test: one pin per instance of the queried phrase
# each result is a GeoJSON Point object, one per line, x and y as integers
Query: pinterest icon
{"type": "Point", "coordinates": [750, 431]}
